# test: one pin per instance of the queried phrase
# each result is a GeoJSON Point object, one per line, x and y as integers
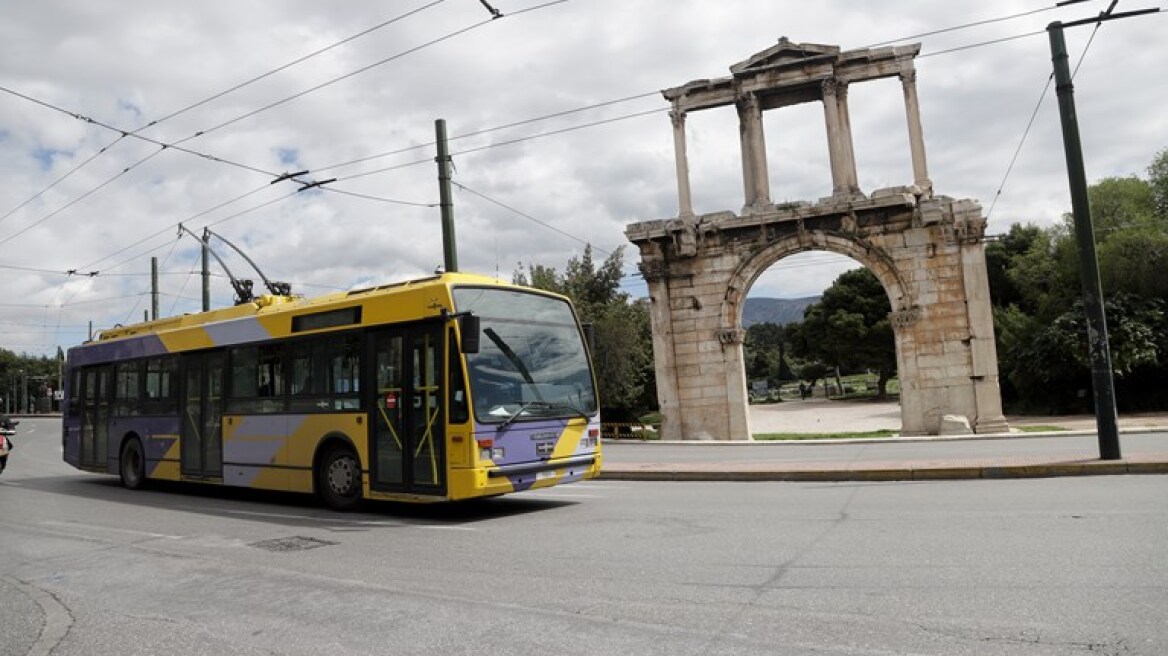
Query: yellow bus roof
{"type": "Point", "coordinates": [268, 306]}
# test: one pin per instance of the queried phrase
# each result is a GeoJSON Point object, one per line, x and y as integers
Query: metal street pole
{"type": "Point", "coordinates": [154, 288]}
{"type": "Point", "coordinates": [446, 203]}
{"type": "Point", "coordinates": [206, 271]}
{"type": "Point", "coordinates": [1101, 371]}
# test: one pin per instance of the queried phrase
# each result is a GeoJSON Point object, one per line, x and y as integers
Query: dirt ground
{"type": "Point", "coordinates": [822, 416]}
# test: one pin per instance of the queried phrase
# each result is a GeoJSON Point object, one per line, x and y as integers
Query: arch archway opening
{"type": "Point", "coordinates": [819, 351]}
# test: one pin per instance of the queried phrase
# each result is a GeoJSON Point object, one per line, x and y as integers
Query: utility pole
{"type": "Point", "coordinates": [154, 288]}
{"type": "Point", "coordinates": [446, 204]}
{"type": "Point", "coordinates": [1102, 382]}
{"type": "Point", "coordinates": [206, 272]}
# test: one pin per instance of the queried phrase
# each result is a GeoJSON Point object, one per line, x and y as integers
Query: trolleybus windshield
{"type": "Point", "coordinates": [533, 362]}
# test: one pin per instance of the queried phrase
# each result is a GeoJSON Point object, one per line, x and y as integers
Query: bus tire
{"type": "Point", "coordinates": [132, 464]}
{"type": "Point", "coordinates": [338, 480]}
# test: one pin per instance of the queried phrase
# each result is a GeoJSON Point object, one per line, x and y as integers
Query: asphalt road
{"type": "Point", "coordinates": [1032, 566]}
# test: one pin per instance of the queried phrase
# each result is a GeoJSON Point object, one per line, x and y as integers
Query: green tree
{"type": "Point", "coordinates": [623, 353]}
{"type": "Point", "coordinates": [1000, 255]}
{"type": "Point", "coordinates": [1158, 179]}
{"type": "Point", "coordinates": [1038, 315]}
{"type": "Point", "coordinates": [1051, 366]}
{"type": "Point", "coordinates": [26, 381]}
{"type": "Point", "coordinates": [764, 352]}
{"type": "Point", "coordinates": [849, 328]}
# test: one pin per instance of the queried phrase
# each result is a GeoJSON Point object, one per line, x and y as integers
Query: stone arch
{"type": "Point", "coordinates": [927, 250]}
{"type": "Point", "coordinates": [874, 259]}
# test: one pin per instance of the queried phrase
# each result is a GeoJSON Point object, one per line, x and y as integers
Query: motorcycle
{"type": "Point", "coordinates": [7, 431]}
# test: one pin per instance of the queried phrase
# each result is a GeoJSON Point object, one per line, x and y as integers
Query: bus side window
{"type": "Point", "coordinates": [257, 379]}
{"type": "Point", "coordinates": [127, 388]}
{"type": "Point", "coordinates": [459, 410]}
{"type": "Point", "coordinates": [161, 385]}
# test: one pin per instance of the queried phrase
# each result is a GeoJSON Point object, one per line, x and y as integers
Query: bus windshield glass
{"type": "Point", "coordinates": [532, 362]}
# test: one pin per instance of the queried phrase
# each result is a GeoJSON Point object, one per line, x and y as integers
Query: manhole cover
{"type": "Point", "coordinates": [294, 543]}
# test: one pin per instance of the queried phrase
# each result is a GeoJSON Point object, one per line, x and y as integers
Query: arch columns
{"type": "Point", "coordinates": [926, 250]}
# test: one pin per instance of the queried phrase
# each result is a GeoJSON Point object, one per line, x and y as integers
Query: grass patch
{"type": "Point", "coordinates": [1040, 429]}
{"type": "Point", "coordinates": [826, 436]}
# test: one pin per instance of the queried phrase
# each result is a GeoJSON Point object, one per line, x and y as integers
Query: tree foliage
{"type": "Point", "coordinates": [764, 351]}
{"type": "Point", "coordinates": [1038, 312]}
{"type": "Point", "coordinates": [623, 354]}
{"type": "Point", "coordinates": [34, 377]}
{"type": "Point", "coordinates": [849, 328]}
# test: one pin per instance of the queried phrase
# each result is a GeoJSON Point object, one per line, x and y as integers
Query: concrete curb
{"type": "Point", "coordinates": [906, 472]}
{"type": "Point", "coordinates": [889, 440]}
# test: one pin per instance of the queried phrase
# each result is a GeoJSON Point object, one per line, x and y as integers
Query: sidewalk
{"type": "Point", "coordinates": [1011, 455]}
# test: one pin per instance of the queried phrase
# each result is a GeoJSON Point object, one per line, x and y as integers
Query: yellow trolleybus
{"type": "Point", "coordinates": [443, 388]}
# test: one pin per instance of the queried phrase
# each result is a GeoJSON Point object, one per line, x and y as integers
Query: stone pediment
{"type": "Point", "coordinates": [783, 53]}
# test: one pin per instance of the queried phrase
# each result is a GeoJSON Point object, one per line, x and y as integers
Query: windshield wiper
{"type": "Point", "coordinates": [522, 409]}
{"type": "Point", "coordinates": [576, 411]}
{"type": "Point", "coordinates": [511, 355]}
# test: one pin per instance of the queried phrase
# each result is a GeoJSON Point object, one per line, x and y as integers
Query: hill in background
{"type": "Point", "coordinates": [779, 311]}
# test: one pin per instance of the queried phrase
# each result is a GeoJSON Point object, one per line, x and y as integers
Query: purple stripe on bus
{"type": "Point", "coordinates": [257, 439]}
{"type": "Point", "coordinates": [121, 349]}
{"type": "Point", "coordinates": [520, 441]}
{"type": "Point", "coordinates": [237, 331]}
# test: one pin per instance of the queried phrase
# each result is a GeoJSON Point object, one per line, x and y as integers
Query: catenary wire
{"type": "Point", "coordinates": [606, 103]}
{"type": "Point", "coordinates": [556, 132]}
{"type": "Point", "coordinates": [216, 96]}
{"type": "Point", "coordinates": [177, 144]}
{"type": "Point", "coordinates": [1033, 117]}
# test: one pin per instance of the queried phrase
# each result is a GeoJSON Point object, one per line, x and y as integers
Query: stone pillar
{"type": "Point", "coordinates": [912, 415]}
{"type": "Point", "coordinates": [916, 139]}
{"type": "Point", "coordinates": [656, 276]}
{"type": "Point", "coordinates": [737, 395]}
{"type": "Point", "coordinates": [839, 147]}
{"type": "Point", "coordinates": [681, 159]}
{"type": "Point", "coordinates": [754, 166]}
{"type": "Point", "coordinates": [983, 352]}
{"type": "Point", "coordinates": [851, 179]}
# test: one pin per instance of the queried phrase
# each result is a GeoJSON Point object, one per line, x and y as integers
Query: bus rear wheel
{"type": "Point", "coordinates": [132, 464]}
{"type": "Point", "coordinates": [339, 478]}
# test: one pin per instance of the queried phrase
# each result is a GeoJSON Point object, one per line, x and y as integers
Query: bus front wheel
{"type": "Point", "coordinates": [132, 464]}
{"type": "Point", "coordinates": [339, 478]}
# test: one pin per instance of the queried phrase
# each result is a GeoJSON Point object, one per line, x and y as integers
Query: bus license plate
{"type": "Point", "coordinates": [545, 449]}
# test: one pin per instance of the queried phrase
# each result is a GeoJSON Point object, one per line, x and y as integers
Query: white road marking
{"type": "Point", "coordinates": [130, 531]}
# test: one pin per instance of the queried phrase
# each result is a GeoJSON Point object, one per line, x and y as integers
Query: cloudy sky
{"type": "Point", "coordinates": [119, 121]}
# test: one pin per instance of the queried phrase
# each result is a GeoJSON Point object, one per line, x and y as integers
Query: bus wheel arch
{"type": "Point", "coordinates": [132, 462]}
{"type": "Point", "coordinates": [336, 472]}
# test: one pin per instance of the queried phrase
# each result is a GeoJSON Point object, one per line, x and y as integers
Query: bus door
{"type": "Point", "coordinates": [408, 445]}
{"type": "Point", "coordinates": [201, 450]}
{"type": "Point", "coordinates": [95, 413]}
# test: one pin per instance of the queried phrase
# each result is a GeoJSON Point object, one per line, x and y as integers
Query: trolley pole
{"type": "Point", "coordinates": [449, 247]}
{"type": "Point", "coordinates": [1101, 371]}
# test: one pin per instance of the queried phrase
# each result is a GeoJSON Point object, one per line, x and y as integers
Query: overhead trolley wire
{"type": "Point", "coordinates": [62, 178]}
{"type": "Point", "coordinates": [216, 96]}
{"type": "Point", "coordinates": [1033, 116]}
{"type": "Point", "coordinates": [483, 131]}
{"type": "Point", "coordinates": [523, 122]}
{"type": "Point", "coordinates": [364, 69]}
{"type": "Point", "coordinates": [964, 26]}
{"type": "Point", "coordinates": [177, 144]}
{"type": "Point", "coordinates": [294, 62]}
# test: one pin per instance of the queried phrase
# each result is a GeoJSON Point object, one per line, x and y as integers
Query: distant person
{"type": "Point", "coordinates": [802, 391]}
{"type": "Point", "coordinates": [7, 428]}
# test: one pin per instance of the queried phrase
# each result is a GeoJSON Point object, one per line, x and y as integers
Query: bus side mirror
{"type": "Point", "coordinates": [468, 326]}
